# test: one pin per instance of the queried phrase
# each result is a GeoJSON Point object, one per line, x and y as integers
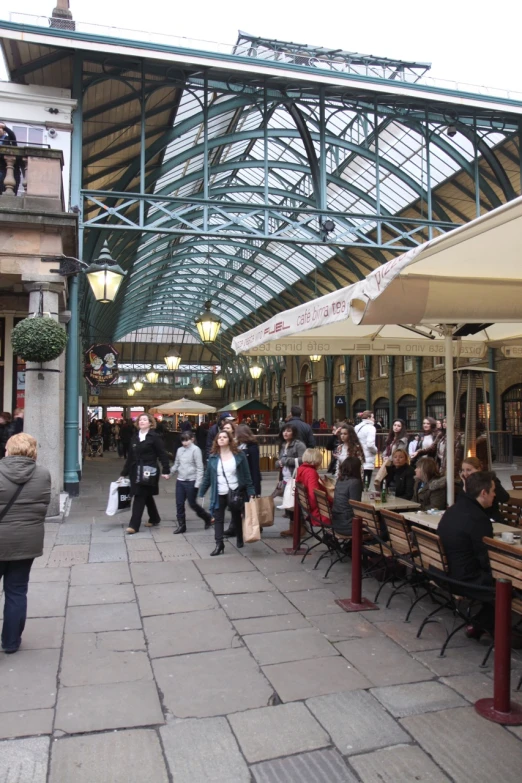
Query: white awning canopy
{"type": "Point", "coordinates": [183, 406]}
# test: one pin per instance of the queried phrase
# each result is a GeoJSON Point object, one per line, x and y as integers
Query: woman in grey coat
{"type": "Point", "coordinates": [25, 492]}
{"type": "Point", "coordinates": [348, 487]}
{"type": "Point", "coordinates": [290, 455]}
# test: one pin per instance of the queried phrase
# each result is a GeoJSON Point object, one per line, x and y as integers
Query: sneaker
{"type": "Point", "coordinates": [130, 531]}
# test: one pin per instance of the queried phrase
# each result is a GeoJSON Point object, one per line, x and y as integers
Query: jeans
{"type": "Point", "coordinates": [16, 581]}
{"type": "Point", "coordinates": [186, 491]}
{"type": "Point", "coordinates": [219, 520]}
{"type": "Point", "coordinates": [138, 506]}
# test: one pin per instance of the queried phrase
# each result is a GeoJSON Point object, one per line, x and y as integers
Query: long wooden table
{"type": "Point", "coordinates": [393, 504]}
{"type": "Point", "coordinates": [432, 522]}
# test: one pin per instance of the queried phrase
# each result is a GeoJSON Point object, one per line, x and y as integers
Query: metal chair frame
{"type": "Point", "coordinates": [338, 547]}
{"type": "Point", "coordinates": [374, 543]}
{"type": "Point", "coordinates": [313, 531]}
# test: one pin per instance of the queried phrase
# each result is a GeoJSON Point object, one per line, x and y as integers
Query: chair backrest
{"type": "Point", "coordinates": [510, 513]}
{"type": "Point", "coordinates": [398, 532]}
{"type": "Point", "coordinates": [431, 551]}
{"type": "Point", "coordinates": [505, 561]}
{"type": "Point", "coordinates": [323, 504]}
{"type": "Point", "coordinates": [369, 516]}
{"type": "Point", "coordinates": [516, 481]}
{"type": "Point", "coordinates": [302, 499]}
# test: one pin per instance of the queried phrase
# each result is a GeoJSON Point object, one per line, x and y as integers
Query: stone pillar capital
{"type": "Point", "coordinates": [52, 286]}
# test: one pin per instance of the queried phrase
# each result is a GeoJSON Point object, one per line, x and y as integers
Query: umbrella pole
{"type": "Point", "coordinates": [450, 417]}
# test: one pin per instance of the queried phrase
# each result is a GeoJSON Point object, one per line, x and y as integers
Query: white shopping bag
{"type": "Point", "coordinates": [119, 497]}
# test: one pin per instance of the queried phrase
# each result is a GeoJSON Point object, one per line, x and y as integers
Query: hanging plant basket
{"type": "Point", "coordinates": [39, 339]}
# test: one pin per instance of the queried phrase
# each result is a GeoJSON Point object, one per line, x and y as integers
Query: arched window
{"type": "Point", "coordinates": [381, 410]}
{"type": "Point", "coordinates": [407, 408]}
{"type": "Point", "coordinates": [358, 407]}
{"type": "Point", "coordinates": [512, 409]}
{"type": "Point", "coordinates": [436, 405]}
{"type": "Point", "coordinates": [481, 411]}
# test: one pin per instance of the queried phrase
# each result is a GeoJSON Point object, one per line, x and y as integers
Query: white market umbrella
{"type": "Point", "coordinates": [457, 295]}
{"type": "Point", "coordinates": [183, 406]}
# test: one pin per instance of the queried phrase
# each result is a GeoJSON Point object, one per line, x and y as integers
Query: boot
{"type": "Point", "coordinates": [219, 550]}
{"type": "Point", "coordinates": [181, 528]}
{"type": "Point", "coordinates": [230, 532]}
{"type": "Point", "coordinates": [288, 533]}
{"type": "Point", "coordinates": [208, 522]}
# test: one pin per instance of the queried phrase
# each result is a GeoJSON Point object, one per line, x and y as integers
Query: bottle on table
{"type": "Point", "coordinates": [383, 491]}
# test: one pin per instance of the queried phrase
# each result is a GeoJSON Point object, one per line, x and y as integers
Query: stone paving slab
{"type": "Point", "coordinates": [293, 645]}
{"type": "Point", "coordinates": [187, 632]}
{"type": "Point", "coordinates": [433, 636]}
{"type": "Point", "coordinates": [88, 660]}
{"type": "Point", "coordinates": [270, 732]}
{"type": "Point", "coordinates": [134, 543]}
{"type": "Point", "coordinates": [68, 555]}
{"type": "Point", "coordinates": [177, 597]}
{"type": "Point", "coordinates": [87, 595]}
{"type": "Point", "coordinates": [43, 633]}
{"type": "Point", "coordinates": [239, 607]}
{"type": "Point", "coordinates": [404, 700]}
{"type": "Point", "coordinates": [173, 550]}
{"type": "Point", "coordinates": [100, 573]}
{"type": "Point", "coordinates": [292, 581]}
{"type": "Point", "coordinates": [467, 747]}
{"type": "Point", "coordinates": [224, 564]}
{"type": "Point", "coordinates": [311, 602]}
{"type": "Point", "coordinates": [277, 564]}
{"type": "Point", "coordinates": [145, 556]}
{"type": "Point", "coordinates": [108, 553]}
{"type": "Point", "coordinates": [109, 706]}
{"type": "Point", "coordinates": [240, 582]}
{"type": "Point", "coordinates": [50, 575]}
{"type": "Point", "coordinates": [28, 680]}
{"type": "Point", "coordinates": [227, 681]}
{"type": "Point", "coordinates": [47, 600]}
{"type": "Point", "coordinates": [283, 622]}
{"type": "Point", "coordinates": [356, 722]}
{"type": "Point", "coordinates": [406, 764]}
{"type": "Point", "coordinates": [121, 640]}
{"type": "Point", "coordinates": [102, 617]}
{"type": "Point", "coordinates": [118, 757]}
{"type": "Point", "coordinates": [342, 626]}
{"type": "Point", "coordinates": [314, 677]}
{"type": "Point", "coordinates": [43, 560]}
{"type": "Point", "coordinates": [479, 685]}
{"type": "Point", "coordinates": [165, 573]}
{"type": "Point", "coordinates": [318, 766]}
{"type": "Point", "coordinates": [203, 750]}
{"type": "Point", "coordinates": [25, 724]}
{"type": "Point", "coordinates": [458, 660]}
{"type": "Point", "coordinates": [24, 760]}
{"type": "Point", "coordinates": [382, 661]}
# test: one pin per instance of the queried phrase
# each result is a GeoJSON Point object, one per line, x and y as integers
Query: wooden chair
{"type": "Point", "coordinates": [506, 563]}
{"type": "Point", "coordinates": [407, 555]}
{"type": "Point", "coordinates": [338, 546]}
{"type": "Point", "coordinates": [312, 531]}
{"type": "Point", "coordinates": [510, 513]}
{"type": "Point", "coordinates": [516, 480]}
{"type": "Point", "coordinates": [374, 544]}
{"type": "Point", "coordinates": [435, 566]}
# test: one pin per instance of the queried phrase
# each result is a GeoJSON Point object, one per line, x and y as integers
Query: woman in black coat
{"type": "Point", "coordinates": [400, 475]}
{"type": "Point", "coordinates": [348, 487]}
{"type": "Point", "coordinates": [246, 441]}
{"type": "Point", "coordinates": [146, 448]}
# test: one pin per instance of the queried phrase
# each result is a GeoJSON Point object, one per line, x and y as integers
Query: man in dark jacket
{"type": "Point", "coordinates": [304, 430]}
{"type": "Point", "coordinates": [461, 529]}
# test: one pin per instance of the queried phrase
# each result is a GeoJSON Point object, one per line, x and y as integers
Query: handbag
{"type": "Point", "coordinates": [11, 500]}
{"type": "Point", "coordinates": [289, 493]}
{"type": "Point", "coordinates": [250, 523]}
{"type": "Point", "coordinates": [147, 475]}
{"type": "Point", "coordinates": [235, 497]}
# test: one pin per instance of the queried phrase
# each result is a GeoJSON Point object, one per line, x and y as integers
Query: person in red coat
{"type": "Point", "coordinates": [308, 476]}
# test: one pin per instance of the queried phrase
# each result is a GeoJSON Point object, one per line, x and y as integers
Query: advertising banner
{"type": "Point", "coordinates": [101, 365]}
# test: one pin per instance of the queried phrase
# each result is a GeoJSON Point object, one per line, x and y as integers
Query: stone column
{"type": "Point", "coordinates": [43, 417]}
{"type": "Point", "coordinates": [320, 411]}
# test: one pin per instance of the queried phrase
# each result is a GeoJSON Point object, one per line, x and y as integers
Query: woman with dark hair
{"type": "Point", "coordinates": [227, 468]}
{"type": "Point", "coordinates": [247, 443]}
{"type": "Point", "coordinates": [429, 488]}
{"type": "Point", "coordinates": [474, 465]}
{"type": "Point", "coordinates": [440, 447]}
{"type": "Point", "coordinates": [397, 438]}
{"type": "Point", "coordinates": [349, 446]}
{"type": "Point", "coordinates": [146, 448]}
{"type": "Point", "coordinates": [348, 487]}
{"type": "Point", "coordinates": [290, 455]}
{"type": "Point", "coordinates": [423, 445]}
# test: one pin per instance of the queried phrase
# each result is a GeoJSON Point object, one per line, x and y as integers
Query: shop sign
{"type": "Point", "coordinates": [101, 365]}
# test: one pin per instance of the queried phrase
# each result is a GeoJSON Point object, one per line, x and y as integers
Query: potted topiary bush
{"type": "Point", "coordinates": [38, 339]}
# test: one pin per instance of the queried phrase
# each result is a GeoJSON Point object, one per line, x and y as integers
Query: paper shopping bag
{"type": "Point", "coordinates": [251, 529]}
{"type": "Point", "coordinates": [265, 511]}
{"type": "Point", "coordinates": [119, 497]}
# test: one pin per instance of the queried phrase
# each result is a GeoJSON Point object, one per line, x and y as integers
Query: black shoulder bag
{"type": "Point", "coordinates": [11, 501]}
{"type": "Point", "coordinates": [146, 475]}
{"type": "Point", "coordinates": [235, 497]}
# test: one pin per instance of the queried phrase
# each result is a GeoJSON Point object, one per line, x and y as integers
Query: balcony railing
{"type": "Point", "coordinates": [34, 174]}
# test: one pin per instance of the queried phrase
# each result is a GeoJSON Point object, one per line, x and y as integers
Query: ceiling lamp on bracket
{"type": "Point", "coordinates": [197, 388]}
{"type": "Point", "coordinates": [131, 392]}
{"type": "Point", "coordinates": [152, 376]}
{"type": "Point", "coordinates": [138, 385]}
{"type": "Point", "coordinates": [221, 381]}
{"type": "Point", "coordinates": [316, 357]}
{"type": "Point", "coordinates": [255, 370]}
{"type": "Point", "coordinates": [105, 276]}
{"type": "Point", "coordinates": [208, 324]}
{"type": "Point", "coordinates": [172, 360]}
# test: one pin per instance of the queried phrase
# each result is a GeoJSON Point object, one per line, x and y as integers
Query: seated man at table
{"type": "Point", "coordinates": [461, 529]}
